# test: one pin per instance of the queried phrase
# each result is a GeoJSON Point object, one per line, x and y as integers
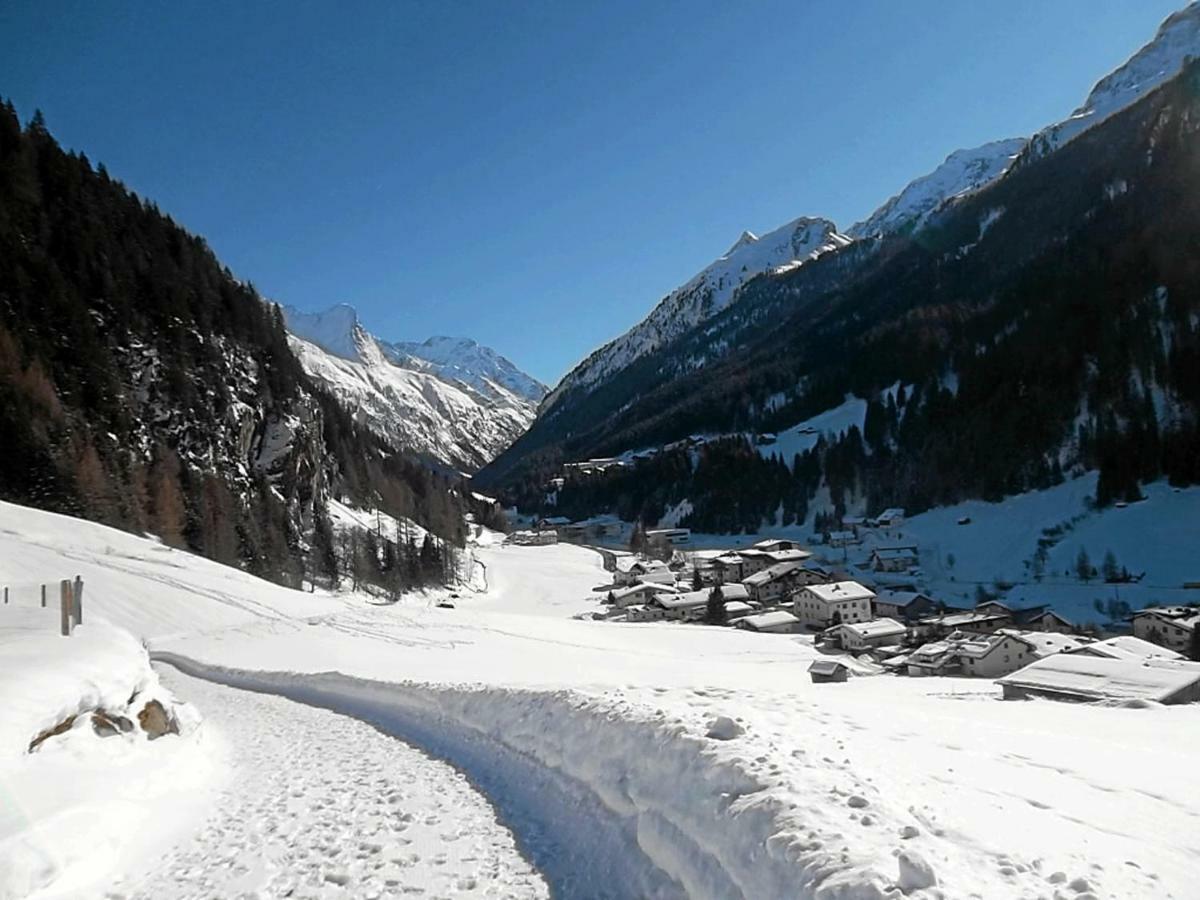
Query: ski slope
{"type": "Point", "coordinates": [715, 766]}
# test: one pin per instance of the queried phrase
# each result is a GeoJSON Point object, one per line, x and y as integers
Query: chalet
{"type": "Point", "coordinates": [735, 593]}
{"type": "Point", "coordinates": [1126, 646]}
{"type": "Point", "coordinates": [986, 656]}
{"type": "Point", "coordinates": [754, 561]}
{"type": "Point", "coordinates": [670, 535]}
{"type": "Point", "coordinates": [1168, 626]}
{"type": "Point", "coordinates": [774, 583]}
{"type": "Point", "coordinates": [739, 609]}
{"type": "Point", "coordinates": [853, 523]}
{"type": "Point", "coordinates": [822, 605]}
{"type": "Point", "coordinates": [842, 538]}
{"type": "Point", "coordinates": [811, 573]}
{"type": "Point", "coordinates": [727, 567]}
{"type": "Point", "coordinates": [777, 621]}
{"type": "Point", "coordinates": [789, 555]}
{"type": "Point", "coordinates": [1030, 618]}
{"type": "Point", "coordinates": [907, 606]}
{"type": "Point", "coordinates": [773, 545]}
{"type": "Point", "coordinates": [631, 570]}
{"type": "Point", "coordinates": [639, 594]}
{"type": "Point", "coordinates": [1083, 678]}
{"type": "Point", "coordinates": [890, 518]}
{"type": "Point", "coordinates": [532, 538]}
{"type": "Point", "coordinates": [970, 621]}
{"type": "Point", "coordinates": [689, 606]}
{"type": "Point", "coordinates": [645, 614]}
{"type": "Point", "coordinates": [894, 559]}
{"type": "Point", "coordinates": [861, 636]}
{"type": "Point", "coordinates": [824, 671]}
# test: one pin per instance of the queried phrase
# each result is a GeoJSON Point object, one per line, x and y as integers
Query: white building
{"type": "Point", "coordinates": [822, 605]}
{"type": "Point", "coordinates": [631, 570]}
{"type": "Point", "coordinates": [774, 583]}
{"type": "Point", "coordinates": [1079, 677]}
{"type": "Point", "coordinates": [890, 518]}
{"type": "Point", "coordinates": [1126, 646]}
{"type": "Point", "coordinates": [858, 636]}
{"type": "Point", "coordinates": [1168, 626]}
{"type": "Point", "coordinates": [638, 594]}
{"type": "Point", "coordinates": [777, 621]}
{"type": "Point", "coordinates": [894, 559]}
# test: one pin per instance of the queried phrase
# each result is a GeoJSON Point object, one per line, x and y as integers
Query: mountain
{"type": "Point", "coordinates": [1045, 324]}
{"type": "Point", "coordinates": [448, 400]}
{"type": "Point", "coordinates": [144, 387]}
{"type": "Point", "coordinates": [962, 172]}
{"type": "Point", "coordinates": [706, 294]}
{"type": "Point", "coordinates": [1177, 41]}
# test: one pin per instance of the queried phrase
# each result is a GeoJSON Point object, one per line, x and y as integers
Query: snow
{"type": "Point", "coordinates": [81, 806]}
{"type": "Point", "coordinates": [1109, 679]}
{"type": "Point", "coordinates": [449, 400]}
{"type": "Point", "coordinates": [1177, 39]}
{"type": "Point", "coordinates": [962, 172]}
{"type": "Point", "coordinates": [707, 293]}
{"type": "Point", "coordinates": [1157, 536]}
{"type": "Point", "coordinates": [803, 436]}
{"type": "Point", "coordinates": [594, 735]}
{"type": "Point", "coordinates": [319, 804]}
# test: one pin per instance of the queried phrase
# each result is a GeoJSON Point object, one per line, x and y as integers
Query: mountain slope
{"type": "Point", "coordinates": [1045, 323]}
{"type": "Point", "coordinates": [448, 400]}
{"type": "Point", "coordinates": [706, 294]}
{"type": "Point", "coordinates": [144, 387]}
{"type": "Point", "coordinates": [962, 172]}
{"type": "Point", "coordinates": [1177, 40]}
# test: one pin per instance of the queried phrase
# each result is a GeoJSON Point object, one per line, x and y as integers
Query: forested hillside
{"type": "Point", "coordinates": [1048, 323]}
{"type": "Point", "coordinates": [143, 386]}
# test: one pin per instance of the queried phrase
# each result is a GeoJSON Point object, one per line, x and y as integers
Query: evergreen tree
{"type": "Point", "coordinates": [714, 609]}
{"type": "Point", "coordinates": [1083, 566]}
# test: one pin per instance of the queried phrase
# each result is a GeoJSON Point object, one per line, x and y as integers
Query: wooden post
{"type": "Point", "coordinates": [43, 596]}
{"type": "Point", "coordinates": [77, 594]}
{"type": "Point", "coordinates": [6, 595]}
{"type": "Point", "coordinates": [65, 602]}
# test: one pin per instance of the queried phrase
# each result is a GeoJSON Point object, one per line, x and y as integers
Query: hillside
{"type": "Point", "coordinates": [143, 386]}
{"type": "Point", "coordinates": [1043, 323]}
{"type": "Point", "coordinates": [447, 400]}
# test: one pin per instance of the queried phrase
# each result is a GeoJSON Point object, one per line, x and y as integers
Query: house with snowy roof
{"type": "Point", "coordinates": [1126, 646]}
{"type": "Point", "coordinates": [1029, 618]}
{"type": "Point", "coordinates": [822, 605]}
{"type": "Point", "coordinates": [638, 594]}
{"type": "Point", "coordinates": [987, 656]}
{"type": "Point", "coordinates": [858, 637]}
{"type": "Point", "coordinates": [774, 583]}
{"type": "Point", "coordinates": [894, 559]}
{"type": "Point", "coordinates": [906, 606]}
{"type": "Point", "coordinates": [842, 538]}
{"type": "Point", "coordinates": [890, 518]}
{"type": "Point", "coordinates": [776, 621]}
{"type": "Point", "coordinates": [1168, 626]}
{"type": "Point", "coordinates": [631, 569]}
{"type": "Point", "coordinates": [1084, 678]}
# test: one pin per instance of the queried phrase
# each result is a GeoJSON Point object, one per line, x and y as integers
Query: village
{"type": "Point", "coordinates": [870, 616]}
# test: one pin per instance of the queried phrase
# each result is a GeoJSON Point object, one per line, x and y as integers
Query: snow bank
{"type": "Point", "coordinates": [650, 807]}
{"type": "Point", "coordinates": [75, 804]}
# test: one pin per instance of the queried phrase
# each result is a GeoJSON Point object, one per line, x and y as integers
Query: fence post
{"type": "Point", "coordinates": [77, 593]}
{"type": "Point", "coordinates": [64, 602]}
{"type": "Point", "coordinates": [43, 596]}
{"type": "Point", "coordinates": [6, 596]}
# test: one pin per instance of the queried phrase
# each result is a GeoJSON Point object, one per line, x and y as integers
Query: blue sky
{"type": "Point", "coordinates": [535, 175]}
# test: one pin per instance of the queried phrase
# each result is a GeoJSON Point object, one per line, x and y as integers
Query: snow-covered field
{"type": "Point", "coordinates": [607, 745]}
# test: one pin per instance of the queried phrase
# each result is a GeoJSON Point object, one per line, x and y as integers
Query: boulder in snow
{"type": "Point", "coordinates": [723, 728]}
{"type": "Point", "coordinates": [915, 872]}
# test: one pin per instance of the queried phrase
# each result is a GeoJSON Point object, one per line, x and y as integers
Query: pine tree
{"type": "Point", "coordinates": [1109, 567]}
{"type": "Point", "coordinates": [1083, 566]}
{"type": "Point", "coordinates": [714, 609]}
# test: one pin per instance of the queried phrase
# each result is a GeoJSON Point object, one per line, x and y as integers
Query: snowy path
{"type": "Point", "coordinates": [321, 805]}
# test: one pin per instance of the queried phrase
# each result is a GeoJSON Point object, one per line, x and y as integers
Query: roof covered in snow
{"type": "Point", "coordinates": [1097, 678]}
{"type": "Point", "coordinates": [839, 591]}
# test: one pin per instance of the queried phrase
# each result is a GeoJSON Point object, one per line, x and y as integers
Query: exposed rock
{"type": "Point", "coordinates": [107, 724]}
{"type": "Point", "coordinates": [915, 872]}
{"type": "Point", "coordinates": [723, 728]}
{"type": "Point", "coordinates": [156, 721]}
{"type": "Point", "coordinates": [64, 725]}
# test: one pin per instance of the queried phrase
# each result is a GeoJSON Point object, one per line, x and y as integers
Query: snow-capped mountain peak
{"type": "Point", "coordinates": [1178, 38]}
{"type": "Point", "coordinates": [706, 294]}
{"type": "Point", "coordinates": [335, 330]}
{"type": "Point", "coordinates": [449, 399]}
{"type": "Point", "coordinates": [962, 171]}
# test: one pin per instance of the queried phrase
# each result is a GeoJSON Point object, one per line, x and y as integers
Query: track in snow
{"type": "Point", "coordinates": [581, 849]}
{"type": "Point", "coordinates": [322, 805]}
